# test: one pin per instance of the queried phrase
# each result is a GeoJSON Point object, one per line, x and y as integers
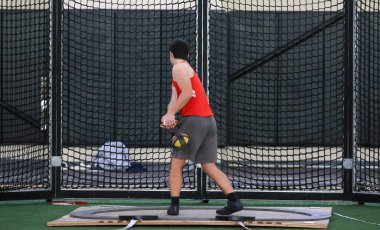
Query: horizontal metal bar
{"type": "Point", "coordinates": [286, 195]}
{"type": "Point", "coordinates": [366, 197]}
{"type": "Point", "coordinates": [25, 195]}
{"type": "Point", "coordinates": [113, 193]}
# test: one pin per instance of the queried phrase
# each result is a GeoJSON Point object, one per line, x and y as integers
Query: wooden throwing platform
{"type": "Point", "coordinates": [303, 217]}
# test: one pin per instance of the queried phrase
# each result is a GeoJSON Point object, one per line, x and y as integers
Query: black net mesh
{"type": "Point", "coordinates": [276, 85]}
{"type": "Point", "coordinates": [24, 92]}
{"type": "Point", "coordinates": [367, 100]}
{"type": "Point", "coordinates": [116, 85]}
{"type": "Point", "coordinates": [280, 121]}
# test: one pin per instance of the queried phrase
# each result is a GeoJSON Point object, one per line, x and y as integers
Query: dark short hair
{"type": "Point", "coordinates": [180, 49]}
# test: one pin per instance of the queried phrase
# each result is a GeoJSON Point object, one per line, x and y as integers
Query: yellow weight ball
{"type": "Point", "coordinates": [180, 142]}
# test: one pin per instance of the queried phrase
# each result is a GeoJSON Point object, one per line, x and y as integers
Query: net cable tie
{"type": "Point", "coordinates": [130, 224]}
{"type": "Point", "coordinates": [242, 225]}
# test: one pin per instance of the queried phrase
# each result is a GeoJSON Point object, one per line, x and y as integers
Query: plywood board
{"type": "Point", "coordinates": [304, 217]}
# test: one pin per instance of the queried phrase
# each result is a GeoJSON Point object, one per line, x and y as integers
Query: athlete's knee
{"type": "Point", "coordinates": [177, 164]}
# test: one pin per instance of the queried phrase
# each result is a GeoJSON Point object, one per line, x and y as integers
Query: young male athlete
{"type": "Point", "coordinates": [198, 122]}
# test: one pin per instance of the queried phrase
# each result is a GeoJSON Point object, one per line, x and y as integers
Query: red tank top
{"type": "Point", "coordinates": [198, 104]}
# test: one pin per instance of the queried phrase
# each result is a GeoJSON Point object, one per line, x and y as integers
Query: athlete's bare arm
{"type": "Point", "coordinates": [173, 99]}
{"type": "Point", "coordinates": [182, 76]}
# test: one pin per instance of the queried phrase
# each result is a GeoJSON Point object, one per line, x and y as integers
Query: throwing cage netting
{"type": "Point", "coordinates": [24, 92]}
{"type": "Point", "coordinates": [276, 79]}
{"type": "Point", "coordinates": [281, 64]}
{"type": "Point", "coordinates": [367, 161]}
{"type": "Point", "coordinates": [116, 85]}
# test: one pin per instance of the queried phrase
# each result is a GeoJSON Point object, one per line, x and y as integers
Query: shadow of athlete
{"type": "Point", "coordinates": [198, 122]}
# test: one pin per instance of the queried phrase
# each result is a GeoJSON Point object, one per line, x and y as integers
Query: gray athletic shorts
{"type": "Point", "coordinates": [203, 139]}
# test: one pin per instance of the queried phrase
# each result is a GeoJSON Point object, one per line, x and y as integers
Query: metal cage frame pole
{"type": "Point", "coordinates": [1, 73]}
{"type": "Point", "coordinates": [348, 144]}
{"type": "Point", "coordinates": [56, 90]}
{"type": "Point", "coordinates": [202, 67]}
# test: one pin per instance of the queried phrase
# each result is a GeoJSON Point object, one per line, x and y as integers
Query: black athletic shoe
{"type": "Point", "coordinates": [232, 206]}
{"type": "Point", "coordinates": [173, 210]}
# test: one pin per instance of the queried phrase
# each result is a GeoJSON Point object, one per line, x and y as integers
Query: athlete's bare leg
{"type": "Point", "coordinates": [175, 183]}
{"type": "Point", "coordinates": [218, 177]}
{"type": "Point", "coordinates": [175, 176]}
